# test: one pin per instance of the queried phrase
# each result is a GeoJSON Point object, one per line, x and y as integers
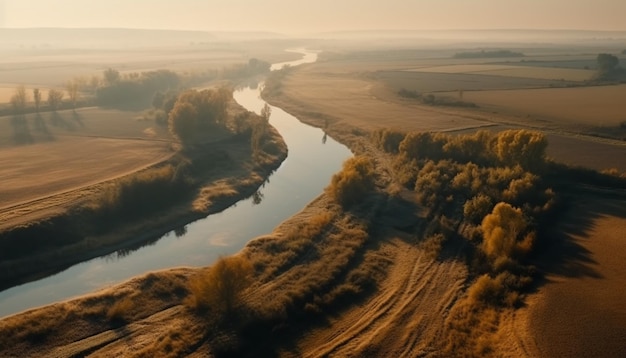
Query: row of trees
{"type": "Point", "coordinates": [20, 99]}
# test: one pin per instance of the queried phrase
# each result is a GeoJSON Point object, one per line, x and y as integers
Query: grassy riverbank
{"type": "Point", "coordinates": [199, 180]}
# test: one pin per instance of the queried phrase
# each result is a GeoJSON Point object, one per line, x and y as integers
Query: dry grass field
{"type": "Point", "coordinates": [581, 310]}
{"type": "Point", "coordinates": [441, 82]}
{"type": "Point", "coordinates": [351, 98]}
{"type": "Point", "coordinates": [544, 73]}
{"type": "Point", "coordinates": [598, 106]}
{"type": "Point", "coordinates": [46, 158]}
{"type": "Point", "coordinates": [52, 155]}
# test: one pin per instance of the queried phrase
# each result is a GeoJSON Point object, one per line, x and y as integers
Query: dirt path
{"type": "Point", "coordinates": [404, 318]}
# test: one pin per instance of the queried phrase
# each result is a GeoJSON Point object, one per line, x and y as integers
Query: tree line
{"type": "Point", "coordinates": [114, 88]}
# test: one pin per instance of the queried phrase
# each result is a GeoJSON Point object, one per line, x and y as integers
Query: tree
{"type": "Point", "coordinates": [111, 76]}
{"type": "Point", "coordinates": [183, 121]}
{"type": "Point", "coordinates": [607, 62]}
{"type": "Point", "coordinates": [259, 129]}
{"type": "Point", "coordinates": [353, 182]}
{"type": "Point", "coordinates": [94, 83]}
{"type": "Point", "coordinates": [72, 92]}
{"type": "Point", "coordinates": [505, 232]}
{"type": "Point", "coordinates": [55, 98]}
{"type": "Point", "coordinates": [37, 98]}
{"type": "Point", "coordinates": [523, 147]}
{"type": "Point", "coordinates": [266, 112]}
{"type": "Point", "coordinates": [19, 99]}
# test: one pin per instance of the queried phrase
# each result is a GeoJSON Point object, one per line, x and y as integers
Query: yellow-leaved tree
{"type": "Point", "coordinates": [505, 232]}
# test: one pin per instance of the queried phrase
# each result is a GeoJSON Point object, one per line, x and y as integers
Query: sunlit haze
{"type": "Point", "coordinates": [297, 17]}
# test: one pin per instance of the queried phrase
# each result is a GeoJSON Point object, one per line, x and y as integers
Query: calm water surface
{"type": "Point", "coordinates": [307, 170]}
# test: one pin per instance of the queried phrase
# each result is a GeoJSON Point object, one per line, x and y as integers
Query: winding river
{"type": "Point", "coordinates": [302, 176]}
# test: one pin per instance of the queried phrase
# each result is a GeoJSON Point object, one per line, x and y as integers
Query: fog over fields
{"type": "Point", "coordinates": [432, 178]}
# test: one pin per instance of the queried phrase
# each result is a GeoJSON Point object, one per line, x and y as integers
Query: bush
{"type": "Point", "coordinates": [505, 232]}
{"type": "Point", "coordinates": [143, 192]}
{"type": "Point", "coordinates": [121, 310]}
{"type": "Point", "coordinates": [388, 140]}
{"type": "Point", "coordinates": [477, 208]}
{"type": "Point", "coordinates": [219, 289]}
{"type": "Point", "coordinates": [355, 180]}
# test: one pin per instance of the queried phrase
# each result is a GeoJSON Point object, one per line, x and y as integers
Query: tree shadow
{"type": "Point", "coordinates": [78, 118]}
{"type": "Point", "coordinates": [21, 130]}
{"type": "Point", "coordinates": [560, 250]}
{"type": "Point", "coordinates": [42, 128]}
{"type": "Point", "coordinates": [58, 121]}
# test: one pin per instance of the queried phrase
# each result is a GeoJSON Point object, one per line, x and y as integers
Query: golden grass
{"type": "Point", "coordinates": [41, 170]}
{"type": "Point", "coordinates": [121, 310]}
{"type": "Point", "coordinates": [599, 106]}
{"type": "Point", "coordinates": [209, 194]}
{"type": "Point", "coordinates": [351, 99]}
{"type": "Point", "coordinates": [581, 310]}
{"type": "Point", "coordinates": [514, 71]}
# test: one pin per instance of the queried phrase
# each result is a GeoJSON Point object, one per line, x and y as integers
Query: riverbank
{"type": "Point", "coordinates": [233, 174]}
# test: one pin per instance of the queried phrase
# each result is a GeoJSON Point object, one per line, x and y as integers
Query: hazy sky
{"type": "Point", "coordinates": [301, 16]}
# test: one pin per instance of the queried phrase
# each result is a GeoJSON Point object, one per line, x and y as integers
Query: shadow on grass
{"type": "Point", "coordinates": [58, 120]}
{"type": "Point", "coordinates": [560, 249]}
{"type": "Point", "coordinates": [42, 128]}
{"type": "Point", "coordinates": [77, 118]}
{"type": "Point", "coordinates": [21, 130]}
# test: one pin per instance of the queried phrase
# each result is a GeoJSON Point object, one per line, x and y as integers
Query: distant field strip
{"type": "Point", "coordinates": [594, 106]}
{"type": "Point", "coordinates": [545, 73]}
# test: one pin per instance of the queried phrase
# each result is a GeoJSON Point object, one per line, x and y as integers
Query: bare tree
{"type": "Point", "coordinates": [37, 98]}
{"type": "Point", "coordinates": [72, 92]}
{"type": "Point", "coordinates": [111, 76]}
{"type": "Point", "coordinates": [19, 99]}
{"type": "Point", "coordinates": [55, 98]}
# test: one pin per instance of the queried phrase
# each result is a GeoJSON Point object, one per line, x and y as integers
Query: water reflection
{"type": "Point", "coordinates": [257, 197]}
{"type": "Point", "coordinates": [181, 231]}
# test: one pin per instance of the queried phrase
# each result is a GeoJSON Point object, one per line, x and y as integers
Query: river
{"type": "Point", "coordinates": [311, 162]}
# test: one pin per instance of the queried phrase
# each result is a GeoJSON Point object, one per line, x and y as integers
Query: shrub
{"type": "Point", "coordinates": [143, 192]}
{"type": "Point", "coordinates": [354, 181]}
{"type": "Point", "coordinates": [477, 208]}
{"type": "Point", "coordinates": [388, 140]}
{"type": "Point", "coordinates": [505, 232]}
{"type": "Point", "coordinates": [521, 147]}
{"type": "Point", "coordinates": [219, 289]}
{"type": "Point", "coordinates": [121, 310]}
